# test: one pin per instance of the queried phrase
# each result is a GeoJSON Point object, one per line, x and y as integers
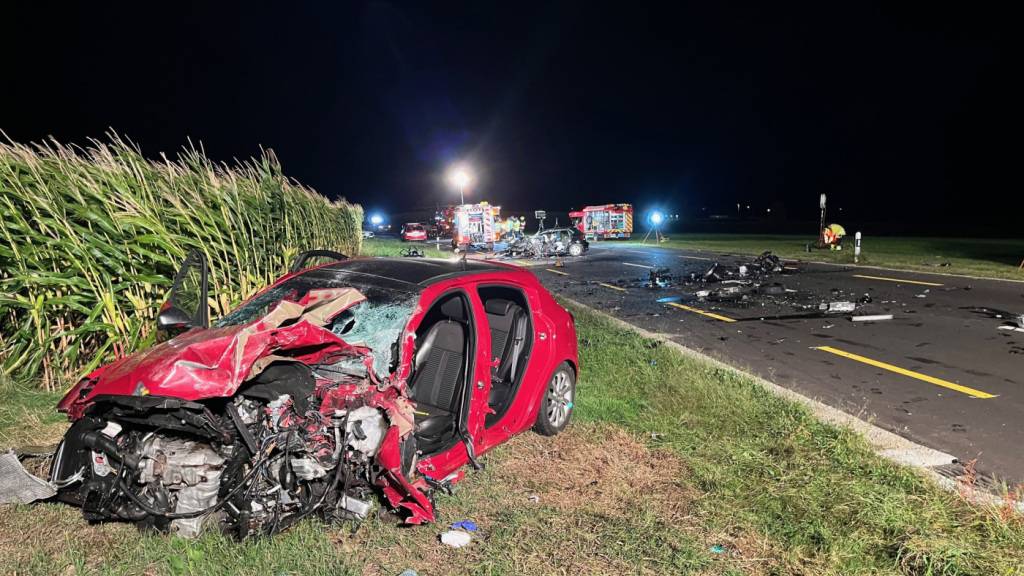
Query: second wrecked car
{"type": "Point", "coordinates": [360, 376]}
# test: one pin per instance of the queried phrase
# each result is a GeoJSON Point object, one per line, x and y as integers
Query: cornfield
{"type": "Point", "coordinates": [92, 236]}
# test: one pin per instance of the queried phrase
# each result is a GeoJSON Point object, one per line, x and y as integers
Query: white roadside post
{"type": "Point", "coordinates": [821, 225]}
{"type": "Point", "coordinates": [856, 247]}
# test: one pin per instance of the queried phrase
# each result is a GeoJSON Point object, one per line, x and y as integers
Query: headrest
{"type": "Point", "coordinates": [498, 306]}
{"type": "Point", "coordinates": [454, 309]}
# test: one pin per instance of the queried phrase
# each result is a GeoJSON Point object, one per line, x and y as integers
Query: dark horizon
{"type": "Point", "coordinates": [899, 114]}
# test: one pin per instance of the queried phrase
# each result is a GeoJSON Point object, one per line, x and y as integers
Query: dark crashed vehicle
{"type": "Point", "coordinates": [551, 242]}
{"type": "Point", "coordinates": [338, 382]}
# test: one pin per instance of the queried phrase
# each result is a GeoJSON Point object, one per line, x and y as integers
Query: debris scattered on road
{"type": "Point", "coordinates": [659, 278]}
{"type": "Point", "coordinates": [871, 318]}
{"type": "Point", "coordinates": [837, 307]}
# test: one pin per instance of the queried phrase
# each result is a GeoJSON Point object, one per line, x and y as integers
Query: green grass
{"type": "Point", "coordinates": [393, 247]}
{"type": "Point", "coordinates": [817, 494]}
{"type": "Point", "coordinates": [668, 458]}
{"type": "Point", "coordinates": [973, 257]}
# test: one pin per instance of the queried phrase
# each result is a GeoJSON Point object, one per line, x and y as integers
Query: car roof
{"type": "Point", "coordinates": [416, 271]}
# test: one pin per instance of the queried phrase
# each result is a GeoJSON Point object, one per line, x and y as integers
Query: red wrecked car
{"type": "Point", "coordinates": [358, 376]}
{"type": "Point", "coordinates": [414, 232]}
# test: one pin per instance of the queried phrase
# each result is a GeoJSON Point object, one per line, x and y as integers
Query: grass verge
{"type": "Point", "coordinates": [393, 247]}
{"type": "Point", "coordinates": [672, 467]}
{"type": "Point", "coordinates": [974, 257]}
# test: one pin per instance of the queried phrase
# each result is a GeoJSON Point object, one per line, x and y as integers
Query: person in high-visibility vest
{"type": "Point", "coordinates": [514, 223]}
{"type": "Point", "coordinates": [833, 236]}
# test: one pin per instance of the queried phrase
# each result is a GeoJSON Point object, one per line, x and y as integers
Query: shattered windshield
{"type": "Point", "coordinates": [375, 323]}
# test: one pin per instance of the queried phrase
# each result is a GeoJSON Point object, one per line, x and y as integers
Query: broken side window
{"type": "Point", "coordinates": [376, 325]}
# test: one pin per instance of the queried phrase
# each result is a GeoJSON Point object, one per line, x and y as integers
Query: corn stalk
{"type": "Point", "coordinates": [90, 236]}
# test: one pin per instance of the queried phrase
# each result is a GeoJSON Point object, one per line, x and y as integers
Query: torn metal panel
{"type": "Point", "coordinates": [18, 486]}
{"type": "Point", "coordinates": [215, 362]}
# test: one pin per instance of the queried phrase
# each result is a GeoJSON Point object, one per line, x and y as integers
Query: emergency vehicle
{"type": "Point", "coordinates": [605, 221]}
{"type": "Point", "coordinates": [474, 225]}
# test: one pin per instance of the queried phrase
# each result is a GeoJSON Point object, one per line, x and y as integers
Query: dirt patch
{"type": "Point", "coordinates": [593, 500]}
{"type": "Point", "coordinates": [597, 468]}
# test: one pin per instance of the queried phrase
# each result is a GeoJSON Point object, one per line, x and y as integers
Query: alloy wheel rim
{"type": "Point", "coordinates": [559, 399]}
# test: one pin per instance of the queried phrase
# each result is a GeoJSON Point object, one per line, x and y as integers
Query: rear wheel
{"type": "Point", "coordinates": [576, 250]}
{"type": "Point", "coordinates": [558, 402]}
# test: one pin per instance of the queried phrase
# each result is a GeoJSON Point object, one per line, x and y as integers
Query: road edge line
{"type": "Point", "coordinates": [886, 444]}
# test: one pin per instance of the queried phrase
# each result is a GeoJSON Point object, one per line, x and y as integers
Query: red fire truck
{"type": "Point", "coordinates": [474, 226]}
{"type": "Point", "coordinates": [605, 221]}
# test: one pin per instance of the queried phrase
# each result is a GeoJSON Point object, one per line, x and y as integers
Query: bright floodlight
{"type": "Point", "coordinates": [460, 177]}
{"type": "Point", "coordinates": [657, 217]}
{"type": "Point", "coordinates": [376, 219]}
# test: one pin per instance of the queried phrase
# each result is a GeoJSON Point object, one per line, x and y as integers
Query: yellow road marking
{"type": "Point", "coordinates": [900, 280]}
{"type": "Point", "coordinates": [637, 265]}
{"type": "Point", "coordinates": [557, 272]}
{"type": "Point", "coordinates": [695, 258]}
{"type": "Point", "coordinates": [702, 312]}
{"type": "Point", "coordinates": [905, 372]}
{"type": "Point", "coordinates": [620, 289]}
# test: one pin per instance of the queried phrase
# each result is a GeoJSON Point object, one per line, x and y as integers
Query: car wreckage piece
{"type": "Point", "coordinates": [265, 419]}
{"type": "Point", "coordinates": [275, 452]}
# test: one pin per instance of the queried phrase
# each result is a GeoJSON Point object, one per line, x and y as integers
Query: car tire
{"type": "Point", "coordinates": [557, 404]}
{"type": "Point", "coordinates": [575, 250]}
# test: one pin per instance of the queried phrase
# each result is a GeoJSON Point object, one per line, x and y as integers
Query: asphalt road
{"type": "Point", "coordinates": [940, 372]}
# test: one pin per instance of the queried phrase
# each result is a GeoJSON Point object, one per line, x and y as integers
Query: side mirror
{"type": "Point", "coordinates": [173, 319]}
{"type": "Point", "coordinates": [186, 306]}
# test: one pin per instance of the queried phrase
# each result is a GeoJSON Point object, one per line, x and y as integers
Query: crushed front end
{"type": "Point", "coordinates": [306, 427]}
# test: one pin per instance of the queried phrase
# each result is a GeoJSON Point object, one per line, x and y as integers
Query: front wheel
{"type": "Point", "coordinates": [558, 402]}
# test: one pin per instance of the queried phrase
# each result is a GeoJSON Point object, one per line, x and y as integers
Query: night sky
{"type": "Point", "coordinates": [899, 113]}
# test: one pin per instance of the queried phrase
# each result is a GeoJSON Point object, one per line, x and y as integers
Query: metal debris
{"type": "Point", "coordinates": [871, 318]}
{"type": "Point", "coordinates": [659, 278]}
{"type": "Point", "coordinates": [18, 486]}
{"type": "Point", "coordinates": [837, 307]}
